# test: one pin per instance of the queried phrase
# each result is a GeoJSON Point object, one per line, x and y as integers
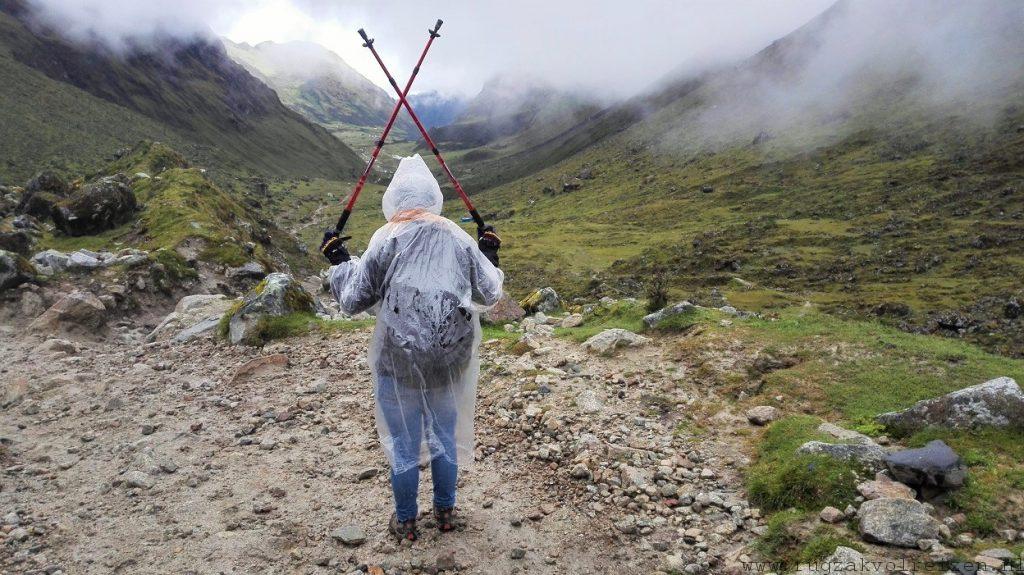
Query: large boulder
{"type": "Point", "coordinates": [544, 300]}
{"type": "Point", "coordinates": [610, 340]}
{"type": "Point", "coordinates": [195, 315]}
{"type": "Point", "coordinates": [995, 403]}
{"type": "Point", "coordinates": [42, 193]}
{"type": "Point", "coordinates": [934, 465]}
{"type": "Point", "coordinates": [506, 310]}
{"type": "Point", "coordinates": [279, 294]}
{"type": "Point", "coordinates": [656, 319]}
{"type": "Point", "coordinates": [78, 311]}
{"type": "Point", "coordinates": [97, 207]}
{"type": "Point", "coordinates": [14, 270]}
{"type": "Point", "coordinates": [896, 521]}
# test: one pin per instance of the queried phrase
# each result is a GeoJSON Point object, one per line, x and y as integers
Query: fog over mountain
{"type": "Point", "coordinates": [610, 49]}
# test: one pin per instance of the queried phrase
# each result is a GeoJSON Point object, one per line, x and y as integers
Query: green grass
{"type": "Point", "coordinates": [993, 496]}
{"type": "Point", "coordinates": [823, 542]}
{"type": "Point", "coordinates": [621, 314]}
{"type": "Point", "coordinates": [270, 328]}
{"type": "Point", "coordinates": [781, 479]}
{"type": "Point", "coordinates": [850, 371]}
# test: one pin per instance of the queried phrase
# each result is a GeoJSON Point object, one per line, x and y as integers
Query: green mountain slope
{"type": "Point", "coordinates": [188, 92]}
{"type": "Point", "coordinates": [321, 86]}
{"type": "Point", "coordinates": [872, 195]}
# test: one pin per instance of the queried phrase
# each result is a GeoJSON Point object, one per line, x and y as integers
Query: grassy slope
{"type": "Point", "coordinates": [182, 205]}
{"type": "Point", "coordinates": [192, 95]}
{"type": "Point", "coordinates": [846, 372]}
{"type": "Point", "coordinates": [53, 124]}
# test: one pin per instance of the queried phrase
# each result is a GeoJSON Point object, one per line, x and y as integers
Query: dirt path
{"type": "Point", "coordinates": [160, 458]}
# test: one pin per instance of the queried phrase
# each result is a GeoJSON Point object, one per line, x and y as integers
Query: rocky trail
{"type": "Point", "coordinates": [137, 457]}
{"type": "Point", "coordinates": [237, 436]}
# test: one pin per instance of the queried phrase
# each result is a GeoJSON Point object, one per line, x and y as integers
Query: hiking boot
{"type": "Point", "coordinates": [403, 530]}
{"type": "Point", "coordinates": [446, 519]}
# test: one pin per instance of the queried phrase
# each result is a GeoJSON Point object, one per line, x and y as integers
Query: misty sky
{"type": "Point", "coordinates": [614, 48]}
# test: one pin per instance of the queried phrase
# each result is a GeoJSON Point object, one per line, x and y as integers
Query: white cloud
{"type": "Point", "coordinates": [610, 47]}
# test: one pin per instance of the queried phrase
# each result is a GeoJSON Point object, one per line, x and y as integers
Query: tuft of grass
{"type": "Point", "coordinates": [782, 538]}
{"type": "Point", "coordinates": [823, 542]}
{"type": "Point", "coordinates": [783, 479]}
{"type": "Point", "coordinates": [270, 328]}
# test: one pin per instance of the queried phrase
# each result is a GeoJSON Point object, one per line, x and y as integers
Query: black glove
{"type": "Point", "coordinates": [489, 243]}
{"type": "Point", "coordinates": [333, 247]}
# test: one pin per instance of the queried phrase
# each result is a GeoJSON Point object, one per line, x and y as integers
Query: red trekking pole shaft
{"type": "Point", "coordinates": [423, 131]}
{"type": "Point", "coordinates": [387, 128]}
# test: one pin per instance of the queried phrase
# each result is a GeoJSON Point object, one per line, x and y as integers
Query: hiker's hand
{"type": "Point", "coordinates": [489, 243]}
{"type": "Point", "coordinates": [333, 247]}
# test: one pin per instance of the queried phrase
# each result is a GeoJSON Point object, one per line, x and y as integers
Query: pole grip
{"type": "Point", "coordinates": [366, 39]}
{"type": "Point", "coordinates": [433, 33]}
{"type": "Point", "coordinates": [476, 218]}
{"type": "Point", "coordinates": [342, 221]}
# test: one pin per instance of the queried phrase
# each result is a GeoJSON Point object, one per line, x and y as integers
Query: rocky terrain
{"type": "Point", "coordinates": [127, 450]}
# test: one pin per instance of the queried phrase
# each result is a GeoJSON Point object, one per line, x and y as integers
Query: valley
{"type": "Point", "coordinates": [756, 316]}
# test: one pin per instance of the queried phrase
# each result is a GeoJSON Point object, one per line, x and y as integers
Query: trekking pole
{"type": "Point", "coordinates": [423, 131]}
{"type": "Point", "coordinates": [387, 128]}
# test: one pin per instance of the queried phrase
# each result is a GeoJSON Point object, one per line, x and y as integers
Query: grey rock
{"type": "Point", "coordinates": [900, 522]}
{"type": "Point", "coordinates": [138, 479]}
{"type": "Point", "coordinates": [349, 535]}
{"type": "Point", "coordinates": [19, 534]}
{"type": "Point", "coordinates": [78, 311]}
{"type": "Point", "coordinates": [995, 403]}
{"type": "Point", "coordinates": [278, 295]}
{"type": "Point", "coordinates": [251, 270]}
{"type": "Point", "coordinates": [544, 300]}
{"type": "Point", "coordinates": [762, 414]}
{"type": "Point", "coordinates": [871, 456]}
{"type": "Point", "coordinates": [572, 320]}
{"type": "Point", "coordinates": [83, 260]}
{"type": "Point", "coordinates": [50, 262]}
{"type": "Point", "coordinates": [845, 435]}
{"type": "Point", "coordinates": [193, 316]}
{"type": "Point", "coordinates": [652, 321]}
{"type": "Point", "coordinates": [610, 340]}
{"type": "Point", "coordinates": [934, 465]}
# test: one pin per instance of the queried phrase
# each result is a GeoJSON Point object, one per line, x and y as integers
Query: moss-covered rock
{"type": "Point", "coordinates": [14, 270]}
{"type": "Point", "coordinates": [277, 295]}
{"type": "Point", "coordinates": [100, 206]}
{"type": "Point", "coordinates": [42, 193]}
{"type": "Point", "coordinates": [544, 300]}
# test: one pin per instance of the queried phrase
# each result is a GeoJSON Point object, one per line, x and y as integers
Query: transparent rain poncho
{"type": "Point", "coordinates": [428, 283]}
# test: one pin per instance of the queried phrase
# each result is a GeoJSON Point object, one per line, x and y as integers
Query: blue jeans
{"type": "Point", "coordinates": [409, 412]}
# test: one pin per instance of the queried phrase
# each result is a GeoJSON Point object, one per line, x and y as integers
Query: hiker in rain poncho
{"type": "Point", "coordinates": [428, 281]}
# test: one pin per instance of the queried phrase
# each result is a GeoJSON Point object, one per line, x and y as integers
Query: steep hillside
{"type": "Point", "coordinates": [870, 190]}
{"type": "Point", "coordinates": [188, 92]}
{"type": "Point", "coordinates": [318, 84]}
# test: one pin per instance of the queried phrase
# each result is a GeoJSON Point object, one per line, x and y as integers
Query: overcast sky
{"type": "Point", "coordinates": [612, 47]}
